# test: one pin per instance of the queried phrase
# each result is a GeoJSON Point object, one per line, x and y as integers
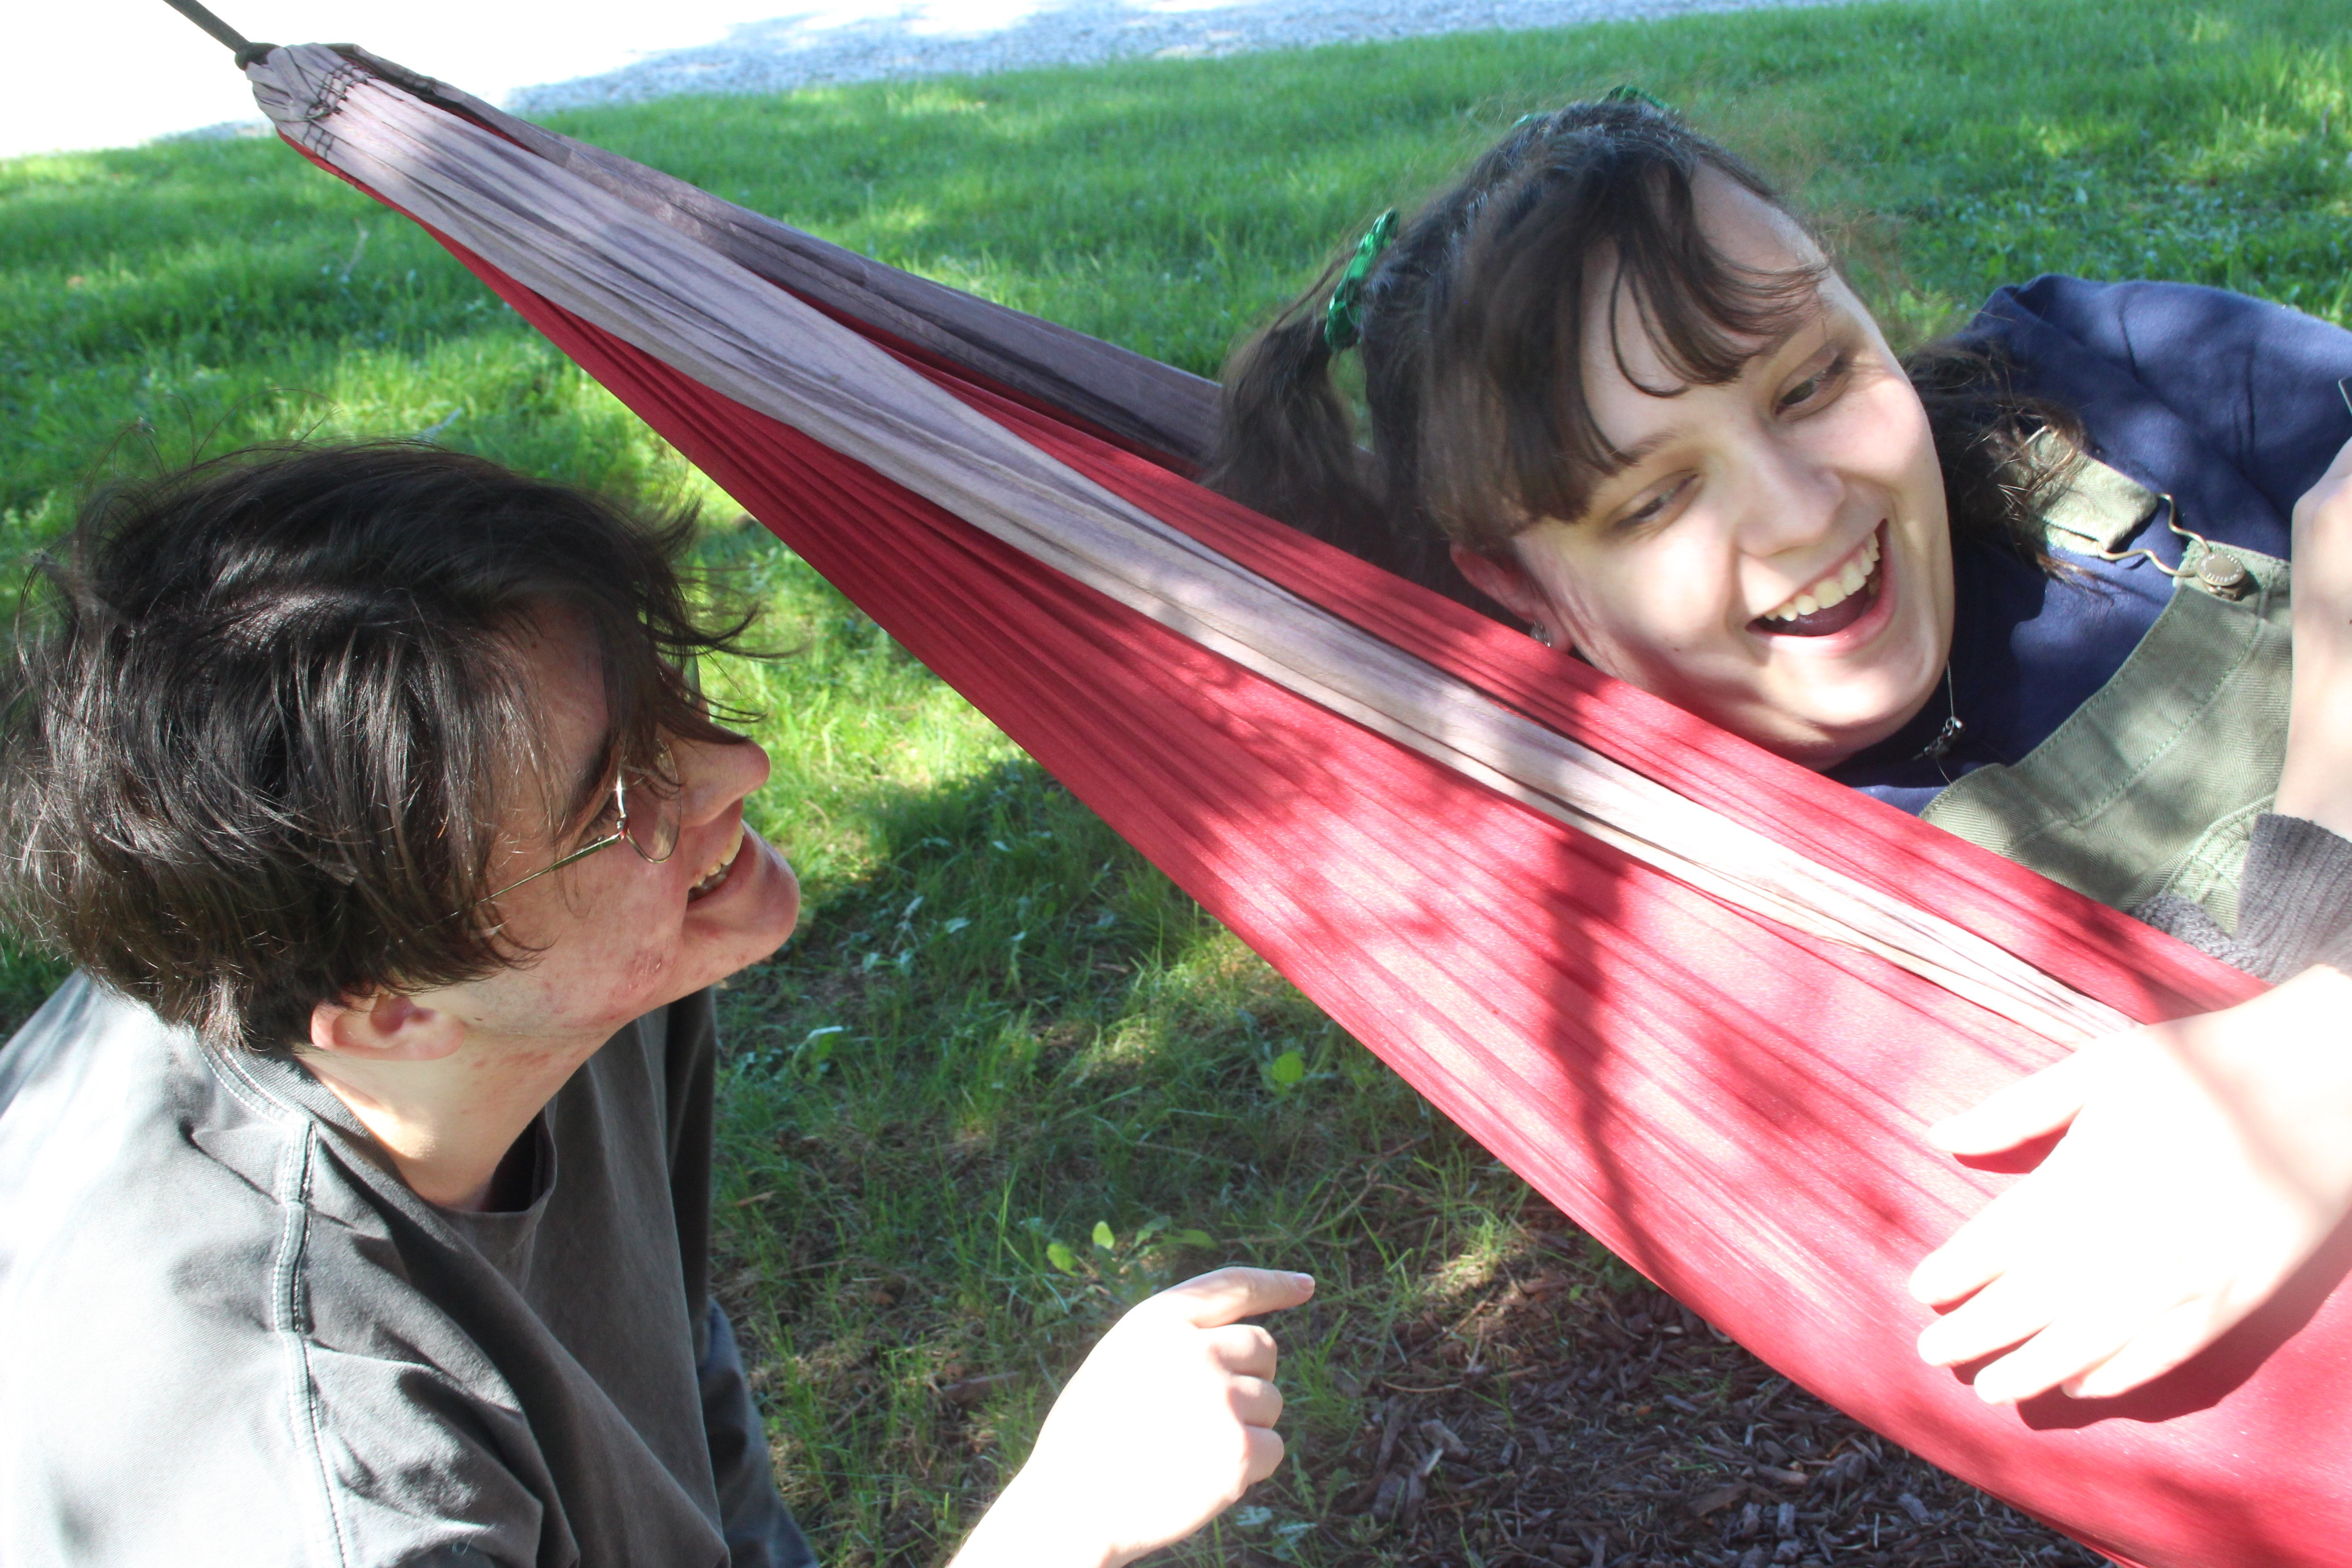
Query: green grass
{"type": "Point", "coordinates": [999, 1029]}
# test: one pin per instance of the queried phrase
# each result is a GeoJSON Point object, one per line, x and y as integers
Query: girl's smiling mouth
{"type": "Point", "coordinates": [1835, 601]}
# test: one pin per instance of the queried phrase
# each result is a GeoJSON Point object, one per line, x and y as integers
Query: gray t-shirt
{"type": "Point", "coordinates": [233, 1335]}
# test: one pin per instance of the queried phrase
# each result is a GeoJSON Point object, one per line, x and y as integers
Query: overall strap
{"type": "Point", "coordinates": [2154, 783]}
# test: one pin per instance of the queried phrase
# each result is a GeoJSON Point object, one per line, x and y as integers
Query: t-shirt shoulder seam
{"type": "Point", "coordinates": [296, 1167]}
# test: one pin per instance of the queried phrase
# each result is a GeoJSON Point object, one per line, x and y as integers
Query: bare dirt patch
{"type": "Point", "coordinates": [1564, 1421]}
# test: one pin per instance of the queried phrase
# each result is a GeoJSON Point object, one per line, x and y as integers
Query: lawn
{"type": "Point", "coordinates": [1008, 1077]}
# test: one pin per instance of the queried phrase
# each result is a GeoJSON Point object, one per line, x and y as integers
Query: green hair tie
{"type": "Point", "coordinates": [1343, 325]}
{"type": "Point", "coordinates": [1626, 92]}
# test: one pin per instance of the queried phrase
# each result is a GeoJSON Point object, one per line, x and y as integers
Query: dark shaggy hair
{"type": "Point", "coordinates": [267, 718]}
{"type": "Point", "coordinates": [1472, 338]}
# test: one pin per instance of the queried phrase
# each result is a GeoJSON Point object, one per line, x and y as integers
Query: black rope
{"type": "Point", "coordinates": [245, 49]}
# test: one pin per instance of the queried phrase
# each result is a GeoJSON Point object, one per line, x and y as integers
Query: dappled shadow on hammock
{"type": "Point", "coordinates": [1734, 1108]}
{"type": "Point", "coordinates": [1749, 1106]}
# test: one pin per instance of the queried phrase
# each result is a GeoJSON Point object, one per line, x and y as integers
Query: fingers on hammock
{"type": "Point", "coordinates": [2092, 1338]}
{"type": "Point", "coordinates": [2172, 1339]}
{"type": "Point", "coordinates": [2034, 1105]}
{"type": "Point", "coordinates": [2009, 1311]}
{"type": "Point", "coordinates": [1985, 1249]}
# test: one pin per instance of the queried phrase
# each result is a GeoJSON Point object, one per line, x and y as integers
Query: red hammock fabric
{"type": "Point", "coordinates": [1731, 1107]}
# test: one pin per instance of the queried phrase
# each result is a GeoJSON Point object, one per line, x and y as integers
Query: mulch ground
{"type": "Point", "coordinates": [1558, 1422]}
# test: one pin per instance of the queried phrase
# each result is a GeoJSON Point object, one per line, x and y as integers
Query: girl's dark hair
{"type": "Point", "coordinates": [1998, 479]}
{"type": "Point", "coordinates": [1472, 327]}
{"type": "Point", "coordinates": [268, 720]}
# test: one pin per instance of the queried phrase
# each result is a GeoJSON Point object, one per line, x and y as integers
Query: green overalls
{"type": "Point", "coordinates": [2154, 783]}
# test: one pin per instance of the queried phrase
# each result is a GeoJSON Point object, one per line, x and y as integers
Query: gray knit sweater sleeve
{"type": "Point", "coordinates": [2294, 904]}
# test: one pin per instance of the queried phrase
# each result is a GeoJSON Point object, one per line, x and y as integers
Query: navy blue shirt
{"type": "Point", "coordinates": [2227, 404]}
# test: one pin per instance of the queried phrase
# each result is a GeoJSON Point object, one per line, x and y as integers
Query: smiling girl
{"type": "Point", "coordinates": [2031, 584]}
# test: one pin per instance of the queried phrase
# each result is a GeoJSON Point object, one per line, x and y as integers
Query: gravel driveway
{"type": "Point", "coordinates": [865, 41]}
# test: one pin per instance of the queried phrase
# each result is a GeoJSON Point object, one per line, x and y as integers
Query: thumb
{"type": "Point", "coordinates": [2039, 1103]}
{"type": "Point", "coordinates": [1228, 1295]}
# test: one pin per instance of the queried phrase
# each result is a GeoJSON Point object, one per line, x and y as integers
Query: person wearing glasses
{"type": "Point", "coordinates": [354, 1195]}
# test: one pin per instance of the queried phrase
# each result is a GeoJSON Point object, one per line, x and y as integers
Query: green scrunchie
{"type": "Point", "coordinates": [1626, 92]}
{"type": "Point", "coordinates": [1343, 326]}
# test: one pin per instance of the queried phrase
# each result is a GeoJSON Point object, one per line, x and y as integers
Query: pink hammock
{"type": "Point", "coordinates": [1700, 998]}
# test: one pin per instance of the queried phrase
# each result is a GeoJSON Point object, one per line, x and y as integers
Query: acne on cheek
{"type": "Point", "coordinates": [644, 971]}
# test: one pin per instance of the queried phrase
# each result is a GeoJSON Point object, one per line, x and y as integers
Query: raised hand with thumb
{"type": "Point", "coordinates": [1167, 1423]}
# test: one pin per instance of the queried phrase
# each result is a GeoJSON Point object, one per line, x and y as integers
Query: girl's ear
{"type": "Point", "coordinates": [1502, 579]}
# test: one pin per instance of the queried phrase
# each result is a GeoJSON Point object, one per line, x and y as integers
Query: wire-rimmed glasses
{"type": "Point", "coordinates": [651, 830]}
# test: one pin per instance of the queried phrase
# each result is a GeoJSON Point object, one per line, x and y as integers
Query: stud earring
{"type": "Point", "coordinates": [1541, 633]}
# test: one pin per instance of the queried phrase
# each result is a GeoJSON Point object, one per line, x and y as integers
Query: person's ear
{"type": "Point", "coordinates": [384, 1025]}
{"type": "Point", "coordinates": [1501, 578]}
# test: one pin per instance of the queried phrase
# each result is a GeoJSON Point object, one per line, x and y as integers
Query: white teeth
{"type": "Point", "coordinates": [1831, 590]}
{"type": "Point", "coordinates": [709, 880]}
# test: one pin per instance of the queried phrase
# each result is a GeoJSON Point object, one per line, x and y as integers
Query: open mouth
{"type": "Point", "coordinates": [1832, 603]}
{"type": "Point", "coordinates": [719, 874]}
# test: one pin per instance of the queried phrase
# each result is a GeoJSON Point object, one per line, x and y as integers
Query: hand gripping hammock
{"type": "Point", "coordinates": [1700, 998]}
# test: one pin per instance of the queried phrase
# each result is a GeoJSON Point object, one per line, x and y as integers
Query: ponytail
{"type": "Point", "coordinates": [1286, 442]}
